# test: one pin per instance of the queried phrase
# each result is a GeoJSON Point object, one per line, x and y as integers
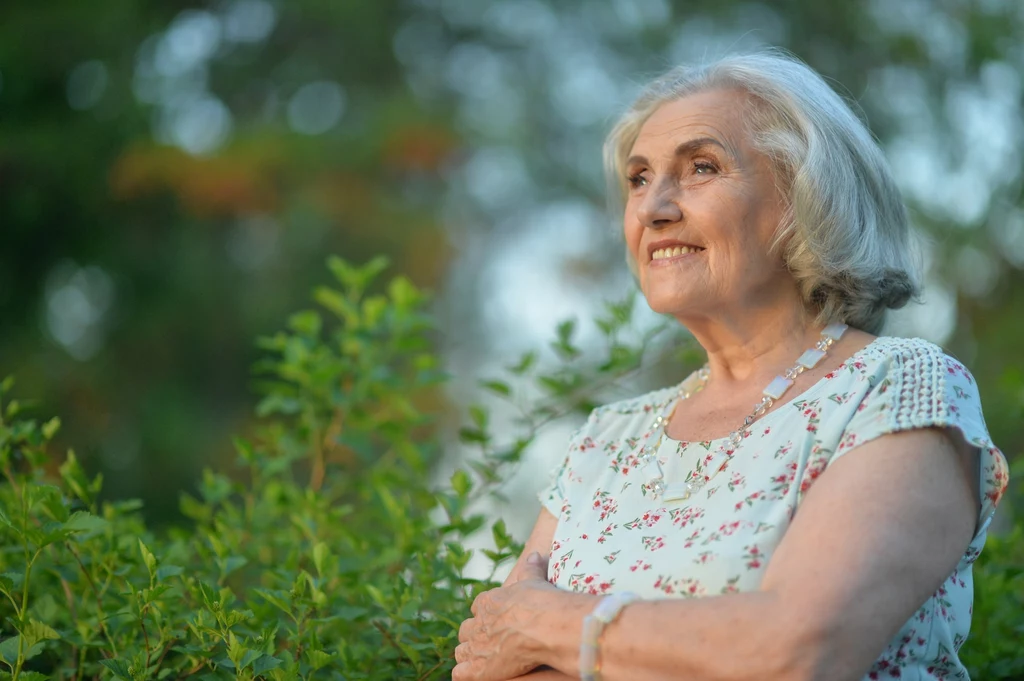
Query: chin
{"type": "Point", "coordinates": [673, 305]}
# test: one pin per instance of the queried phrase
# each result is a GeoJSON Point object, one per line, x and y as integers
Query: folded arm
{"type": "Point", "coordinates": [875, 536]}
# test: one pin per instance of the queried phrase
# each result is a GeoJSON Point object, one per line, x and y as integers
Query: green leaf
{"type": "Point", "coordinates": [278, 598]}
{"type": "Point", "coordinates": [265, 664]}
{"type": "Point", "coordinates": [165, 571]}
{"type": "Point", "coordinates": [308, 323]}
{"type": "Point", "coordinates": [499, 387]}
{"type": "Point", "coordinates": [230, 564]}
{"type": "Point", "coordinates": [148, 558]}
{"type": "Point", "coordinates": [36, 631]}
{"type": "Point", "coordinates": [479, 416]}
{"type": "Point", "coordinates": [502, 539]}
{"type": "Point", "coordinates": [525, 363]}
{"type": "Point", "coordinates": [349, 613]}
{"type": "Point", "coordinates": [73, 475]}
{"type": "Point", "coordinates": [119, 668]}
{"type": "Point", "coordinates": [321, 553]}
{"type": "Point", "coordinates": [318, 658]}
{"type": "Point", "coordinates": [10, 581]}
{"type": "Point", "coordinates": [9, 649]}
{"type": "Point", "coordinates": [461, 482]}
{"type": "Point", "coordinates": [83, 521]}
{"type": "Point", "coordinates": [403, 293]}
{"type": "Point", "coordinates": [338, 304]}
{"type": "Point", "coordinates": [51, 427]}
{"type": "Point", "coordinates": [473, 436]}
{"type": "Point", "coordinates": [33, 676]}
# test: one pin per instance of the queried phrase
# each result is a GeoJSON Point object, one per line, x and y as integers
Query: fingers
{"type": "Point", "coordinates": [465, 629]}
{"type": "Point", "coordinates": [480, 602]}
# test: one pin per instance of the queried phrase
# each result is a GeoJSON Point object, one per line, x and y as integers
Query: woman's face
{"type": "Point", "coordinates": [702, 210]}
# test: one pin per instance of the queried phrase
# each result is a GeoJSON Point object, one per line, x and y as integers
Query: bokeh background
{"type": "Point", "coordinates": [173, 175]}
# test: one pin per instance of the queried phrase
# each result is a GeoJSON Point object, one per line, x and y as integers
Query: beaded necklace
{"type": "Point", "coordinates": [650, 466]}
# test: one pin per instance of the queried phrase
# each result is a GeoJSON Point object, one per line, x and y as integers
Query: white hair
{"type": "Point", "coordinates": [844, 236]}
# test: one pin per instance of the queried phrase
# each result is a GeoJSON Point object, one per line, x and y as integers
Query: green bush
{"type": "Point", "coordinates": [326, 554]}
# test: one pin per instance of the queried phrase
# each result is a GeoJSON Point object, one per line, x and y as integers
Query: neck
{"type": "Point", "coordinates": [753, 347]}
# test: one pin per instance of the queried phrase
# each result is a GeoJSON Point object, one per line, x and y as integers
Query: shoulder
{"type": "Point", "coordinates": [925, 377]}
{"type": "Point", "coordinates": [915, 358]}
{"type": "Point", "coordinates": [916, 384]}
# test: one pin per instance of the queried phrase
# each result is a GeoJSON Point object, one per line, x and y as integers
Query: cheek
{"type": "Point", "coordinates": [632, 230]}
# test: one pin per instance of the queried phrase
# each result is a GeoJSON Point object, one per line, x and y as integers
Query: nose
{"type": "Point", "coordinates": [658, 208]}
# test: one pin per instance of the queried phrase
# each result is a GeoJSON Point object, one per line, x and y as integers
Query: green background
{"type": "Point", "coordinates": [172, 176]}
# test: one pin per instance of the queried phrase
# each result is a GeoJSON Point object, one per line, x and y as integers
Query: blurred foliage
{"type": "Point", "coordinates": [326, 555]}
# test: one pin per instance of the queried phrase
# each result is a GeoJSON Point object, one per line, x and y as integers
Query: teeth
{"type": "Point", "coordinates": [672, 252]}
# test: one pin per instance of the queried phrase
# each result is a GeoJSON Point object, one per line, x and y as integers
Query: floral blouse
{"type": "Point", "coordinates": [614, 535]}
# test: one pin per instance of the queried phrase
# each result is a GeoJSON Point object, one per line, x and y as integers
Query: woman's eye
{"type": "Point", "coordinates": [636, 181]}
{"type": "Point", "coordinates": [704, 168]}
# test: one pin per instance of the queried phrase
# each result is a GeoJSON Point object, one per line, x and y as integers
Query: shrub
{"type": "Point", "coordinates": [326, 554]}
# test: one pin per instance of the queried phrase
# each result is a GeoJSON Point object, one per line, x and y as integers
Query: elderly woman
{"type": "Point", "coordinates": [809, 503]}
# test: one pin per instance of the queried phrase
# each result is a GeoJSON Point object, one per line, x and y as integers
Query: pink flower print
{"type": "Point", "coordinates": [850, 440]}
{"type": "Point", "coordinates": [611, 557]}
{"type": "Point", "coordinates": [639, 565]}
{"type": "Point", "coordinates": [605, 502]}
{"type": "Point", "coordinates": [591, 584]}
{"type": "Point", "coordinates": [664, 584]}
{"type": "Point", "coordinates": [753, 556]}
{"type": "Point", "coordinates": [737, 480]}
{"type": "Point", "coordinates": [728, 529]}
{"type": "Point", "coordinates": [749, 501]}
{"type": "Point", "coordinates": [583, 536]}
{"type": "Point", "coordinates": [690, 587]}
{"type": "Point", "coordinates": [815, 469]}
{"type": "Point", "coordinates": [704, 557]}
{"type": "Point", "coordinates": [681, 517]}
{"type": "Point", "coordinates": [783, 450]}
{"type": "Point", "coordinates": [767, 432]}
{"type": "Point", "coordinates": [652, 543]}
{"type": "Point", "coordinates": [588, 443]}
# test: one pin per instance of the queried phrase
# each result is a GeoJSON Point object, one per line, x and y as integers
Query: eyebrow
{"type": "Point", "coordinates": [684, 149]}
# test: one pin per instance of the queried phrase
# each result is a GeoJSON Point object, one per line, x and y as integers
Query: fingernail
{"type": "Point", "coordinates": [533, 558]}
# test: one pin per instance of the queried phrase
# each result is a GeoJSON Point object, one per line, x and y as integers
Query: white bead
{"type": "Point", "coordinates": [778, 387]}
{"type": "Point", "coordinates": [810, 358]}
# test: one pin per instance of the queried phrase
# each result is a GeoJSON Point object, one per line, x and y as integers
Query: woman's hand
{"type": "Point", "coordinates": [499, 641]}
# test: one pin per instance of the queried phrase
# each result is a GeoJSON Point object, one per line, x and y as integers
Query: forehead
{"type": "Point", "coordinates": [716, 113]}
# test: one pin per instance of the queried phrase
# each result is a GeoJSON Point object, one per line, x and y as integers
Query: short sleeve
{"type": "Point", "coordinates": [554, 496]}
{"type": "Point", "coordinates": [922, 387]}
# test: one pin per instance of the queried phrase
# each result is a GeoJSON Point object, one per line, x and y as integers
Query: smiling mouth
{"type": "Point", "coordinates": [665, 253]}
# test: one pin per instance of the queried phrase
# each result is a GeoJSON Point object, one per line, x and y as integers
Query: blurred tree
{"type": "Point", "coordinates": [172, 174]}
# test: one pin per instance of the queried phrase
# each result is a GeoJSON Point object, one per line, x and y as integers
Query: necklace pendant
{"type": "Point", "coordinates": [657, 488]}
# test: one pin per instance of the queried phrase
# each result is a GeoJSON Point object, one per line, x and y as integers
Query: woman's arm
{"type": "Point", "coordinates": [540, 541]}
{"type": "Point", "coordinates": [876, 535]}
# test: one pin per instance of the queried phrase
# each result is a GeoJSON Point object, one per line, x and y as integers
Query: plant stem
{"type": "Point", "coordinates": [100, 617]}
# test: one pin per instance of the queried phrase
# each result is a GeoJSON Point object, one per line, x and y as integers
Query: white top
{"type": "Point", "coordinates": [612, 535]}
